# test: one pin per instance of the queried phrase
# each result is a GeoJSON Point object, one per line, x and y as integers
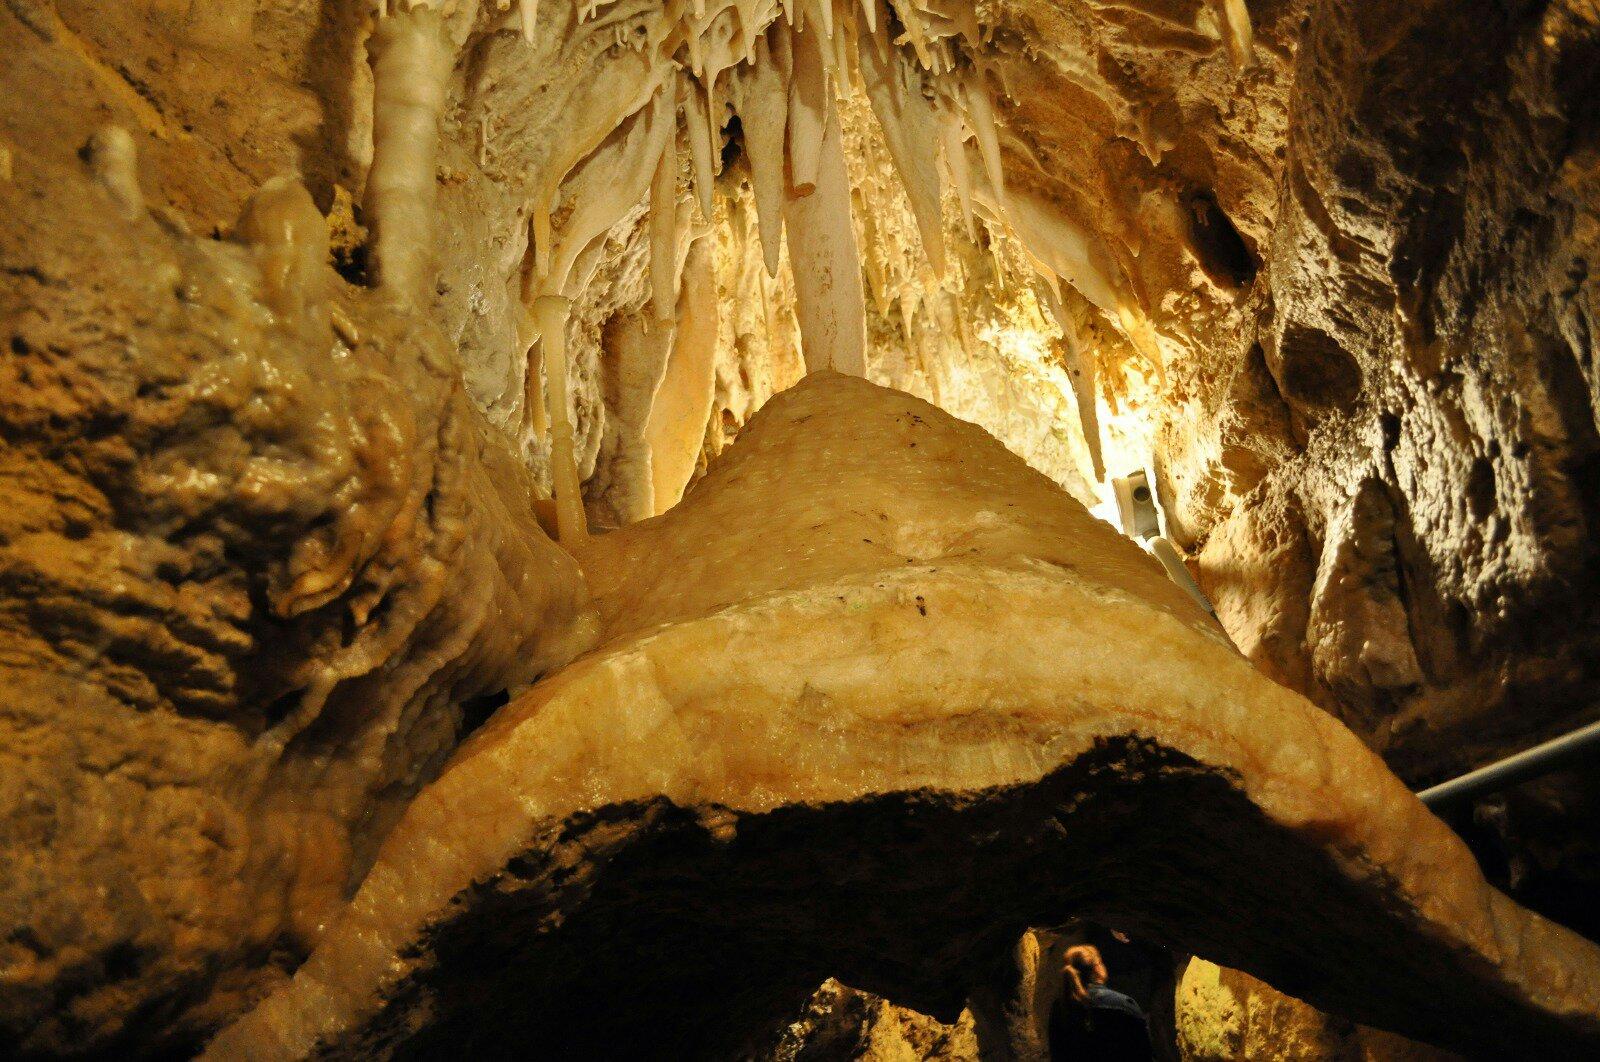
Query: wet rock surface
{"type": "Point", "coordinates": [252, 566]}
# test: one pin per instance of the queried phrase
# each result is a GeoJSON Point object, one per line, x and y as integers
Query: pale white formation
{"type": "Point", "coordinates": [636, 353]}
{"type": "Point", "coordinates": [411, 55]}
{"type": "Point", "coordinates": [551, 313]}
{"type": "Point", "coordinates": [810, 103]}
{"type": "Point", "coordinates": [837, 616]}
{"type": "Point", "coordinates": [676, 428]}
{"type": "Point", "coordinates": [290, 238]}
{"type": "Point", "coordinates": [827, 264]}
{"type": "Point", "coordinates": [911, 132]}
{"type": "Point", "coordinates": [609, 184]}
{"type": "Point", "coordinates": [760, 95]}
{"type": "Point", "coordinates": [1237, 31]}
{"type": "Point", "coordinates": [689, 84]}
{"type": "Point", "coordinates": [114, 162]}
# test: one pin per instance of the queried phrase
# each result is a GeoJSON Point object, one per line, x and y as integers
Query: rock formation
{"type": "Point", "coordinates": [321, 321]}
{"type": "Point", "coordinates": [256, 566]}
{"type": "Point", "coordinates": [868, 647]}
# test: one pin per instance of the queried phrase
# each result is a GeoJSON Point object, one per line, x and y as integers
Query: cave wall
{"type": "Point", "coordinates": [1364, 254]}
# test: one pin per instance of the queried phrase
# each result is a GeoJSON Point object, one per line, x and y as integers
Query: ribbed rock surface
{"type": "Point", "coordinates": [909, 699]}
{"type": "Point", "coordinates": [250, 570]}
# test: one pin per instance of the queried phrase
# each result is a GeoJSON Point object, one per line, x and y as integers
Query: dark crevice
{"type": "Point", "coordinates": [1217, 243]}
{"type": "Point", "coordinates": [476, 711]}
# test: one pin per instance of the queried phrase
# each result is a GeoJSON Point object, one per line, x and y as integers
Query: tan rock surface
{"type": "Point", "coordinates": [251, 567]}
{"type": "Point", "coordinates": [1361, 237]}
{"type": "Point", "coordinates": [803, 762]}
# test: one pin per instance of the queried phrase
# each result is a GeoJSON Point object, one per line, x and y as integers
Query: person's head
{"type": "Point", "coordinates": [1081, 967]}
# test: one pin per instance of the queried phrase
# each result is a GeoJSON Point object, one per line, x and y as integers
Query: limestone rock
{"type": "Point", "coordinates": [251, 568]}
{"type": "Point", "coordinates": [907, 700]}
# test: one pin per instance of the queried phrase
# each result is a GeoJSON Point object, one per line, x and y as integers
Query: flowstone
{"type": "Point", "coordinates": [875, 697]}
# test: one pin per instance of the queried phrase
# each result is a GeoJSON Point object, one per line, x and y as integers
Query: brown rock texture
{"type": "Point", "coordinates": [267, 539]}
{"type": "Point", "coordinates": [251, 569]}
{"type": "Point", "coordinates": [909, 700]}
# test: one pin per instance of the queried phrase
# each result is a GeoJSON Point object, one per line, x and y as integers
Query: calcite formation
{"type": "Point", "coordinates": [257, 551]}
{"type": "Point", "coordinates": [275, 537]}
{"type": "Point", "coordinates": [908, 699]}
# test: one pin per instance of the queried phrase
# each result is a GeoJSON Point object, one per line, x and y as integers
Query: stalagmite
{"type": "Point", "coordinates": [636, 354]}
{"type": "Point", "coordinates": [676, 428]}
{"type": "Point", "coordinates": [552, 312]}
{"type": "Point", "coordinates": [411, 56]}
{"type": "Point", "coordinates": [760, 96]}
{"type": "Point", "coordinates": [114, 161]}
{"type": "Point", "coordinates": [290, 237]}
{"type": "Point", "coordinates": [869, 645]}
{"type": "Point", "coordinates": [827, 266]}
{"type": "Point", "coordinates": [329, 724]}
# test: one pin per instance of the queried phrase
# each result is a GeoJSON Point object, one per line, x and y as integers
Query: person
{"type": "Point", "coordinates": [1092, 1021]}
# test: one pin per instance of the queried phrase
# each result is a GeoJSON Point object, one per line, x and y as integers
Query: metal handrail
{"type": "Point", "coordinates": [1141, 522]}
{"type": "Point", "coordinates": [1520, 767]}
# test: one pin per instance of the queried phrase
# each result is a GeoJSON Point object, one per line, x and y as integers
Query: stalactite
{"type": "Point", "coordinates": [810, 104]}
{"type": "Point", "coordinates": [611, 182]}
{"type": "Point", "coordinates": [411, 55]}
{"type": "Point", "coordinates": [1237, 30]}
{"type": "Point", "coordinates": [980, 112]}
{"type": "Point", "coordinates": [911, 132]}
{"type": "Point", "coordinates": [872, 256]}
{"type": "Point", "coordinates": [701, 149]}
{"type": "Point", "coordinates": [676, 427]}
{"type": "Point", "coordinates": [952, 141]}
{"type": "Point", "coordinates": [552, 312]}
{"type": "Point", "coordinates": [1083, 372]}
{"type": "Point", "coordinates": [664, 229]}
{"type": "Point", "coordinates": [916, 32]}
{"type": "Point", "coordinates": [760, 95]}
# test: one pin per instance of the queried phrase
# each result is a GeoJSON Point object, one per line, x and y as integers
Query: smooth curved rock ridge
{"type": "Point", "coordinates": [821, 764]}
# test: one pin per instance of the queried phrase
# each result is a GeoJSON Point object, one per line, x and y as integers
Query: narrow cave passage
{"type": "Point", "coordinates": [781, 529]}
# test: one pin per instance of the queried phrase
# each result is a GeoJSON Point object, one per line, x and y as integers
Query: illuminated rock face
{"type": "Point", "coordinates": [254, 564]}
{"type": "Point", "coordinates": [1325, 265]}
{"type": "Point", "coordinates": [907, 700]}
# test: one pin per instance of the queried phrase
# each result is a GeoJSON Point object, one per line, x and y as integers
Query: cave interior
{"type": "Point", "coordinates": [749, 529]}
